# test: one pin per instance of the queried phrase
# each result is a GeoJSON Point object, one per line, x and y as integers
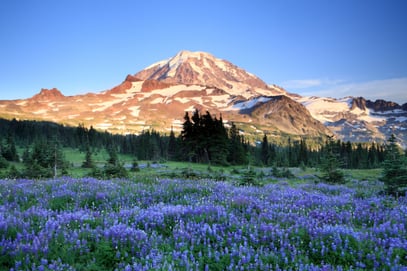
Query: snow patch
{"type": "Point", "coordinates": [157, 100]}
{"type": "Point", "coordinates": [220, 100]}
{"type": "Point", "coordinates": [135, 87]}
{"type": "Point", "coordinates": [173, 90]}
{"type": "Point", "coordinates": [400, 119]}
{"type": "Point", "coordinates": [250, 103]}
{"type": "Point", "coordinates": [39, 112]}
{"type": "Point", "coordinates": [135, 110]}
{"type": "Point", "coordinates": [182, 100]}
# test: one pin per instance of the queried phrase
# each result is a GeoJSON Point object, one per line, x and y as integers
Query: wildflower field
{"type": "Point", "coordinates": [88, 224]}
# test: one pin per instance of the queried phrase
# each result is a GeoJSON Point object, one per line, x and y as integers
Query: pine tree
{"type": "Point", "coordinates": [237, 153]}
{"type": "Point", "coordinates": [265, 151]}
{"type": "Point", "coordinates": [113, 167]}
{"type": "Point", "coordinates": [88, 163]}
{"type": "Point", "coordinates": [9, 150]}
{"type": "Point", "coordinates": [394, 173]}
{"type": "Point", "coordinates": [218, 143]}
{"type": "Point", "coordinates": [172, 149]}
{"type": "Point", "coordinates": [303, 153]}
{"type": "Point", "coordinates": [188, 138]}
{"type": "Point", "coordinates": [45, 160]}
{"type": "Point", "coordinates": [330, 164]}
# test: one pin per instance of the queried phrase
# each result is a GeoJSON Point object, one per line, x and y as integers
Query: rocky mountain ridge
{"type": "Point", "coordinates": [356, 119]}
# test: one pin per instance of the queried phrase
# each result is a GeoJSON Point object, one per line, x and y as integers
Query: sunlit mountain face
{"type": "Point", "coordinates": [158, 97]}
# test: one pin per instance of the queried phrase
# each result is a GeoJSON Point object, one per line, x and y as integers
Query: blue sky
{"type": "Point", "coordinates": [311, 47]}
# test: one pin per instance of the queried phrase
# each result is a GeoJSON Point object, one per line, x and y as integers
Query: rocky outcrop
{"type": "Point", "coordinates": [152, 84]}
{"type": "Point", "coordinates": [48, 94]}
{"type": "Point", "coordinates": [358, 102]}
{"type": "Point", "coordinates": [382, 105]}
{"type": "Point", "coordinates": [288, 116]}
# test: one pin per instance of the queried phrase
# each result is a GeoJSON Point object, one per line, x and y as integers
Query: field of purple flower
{"type": "Point", "coordinates": [88, 224]}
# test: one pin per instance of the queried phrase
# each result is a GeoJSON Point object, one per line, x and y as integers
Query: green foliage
{"type": "Point", "coordinates": [88, 163]}
{"type": "Point", "coordinates": [112, 169]}
{"type": "Point", "coordinates": [115, 171]}
{"type": "Point", "coordinates": [394, 173]}
{"type": "Point", "coordinates": [281, 173]}
{"type": "Point", "coordinates": [249, 178]}
{"type": "Point", "coordinates": [135, 166]}
{"type": "Point", "coordinates": [9, 150]}
{"type": "Point", "coordinates": [45, 160]}
{"type": "Point", "coordinates": [330, 164]}
{"type": "Point", "coordinates": [3, 162]}
{"type": "Point", "coordinates": [205, 139]}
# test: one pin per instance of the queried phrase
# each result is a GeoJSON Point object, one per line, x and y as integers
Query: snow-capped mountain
{"type": "Point", "coordinates": [356, 119]}
{"type": "Point", "coordinates": [158, 97]}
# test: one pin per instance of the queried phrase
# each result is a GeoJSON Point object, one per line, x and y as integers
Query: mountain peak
{"type": "Point", "coordinates": [48, 94]}
{"type": "Point", "coordinates": [200, 68]}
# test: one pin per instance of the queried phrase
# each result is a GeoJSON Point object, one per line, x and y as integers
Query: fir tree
{"type": "Point", "coordinates": [113, 167]}
{"type": "Point", "coordinates": [394, 173]}
{"type": "Point", "coordinates": [172, 149]}
{"type": "Point", "coordinates": [88, 163]}
{"type": "Point", "coordinates": [237, 152]}
{"type": "Point", "coordinates": [330, 164]}
{"type": "Point", "coordinates": [265, 152]}
{"type": "Point", "coordinates": [9, 150]}
{"type": "Point", "coordinates": [45, 160]}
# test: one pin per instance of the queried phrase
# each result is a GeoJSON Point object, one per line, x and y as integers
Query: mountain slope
{"type": "Point", "coordinates": [359, 120]}
{"type": "Point", "coordinates": [158, 96]}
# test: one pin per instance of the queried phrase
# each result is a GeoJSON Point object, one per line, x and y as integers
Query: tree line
{"type": "Point", "coordinates": [299, 153]}
{"type": "Point", "coordinates": [203, 139]}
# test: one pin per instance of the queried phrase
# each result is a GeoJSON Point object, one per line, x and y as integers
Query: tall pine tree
{"type": "Point", "coordinates": [394, 173]}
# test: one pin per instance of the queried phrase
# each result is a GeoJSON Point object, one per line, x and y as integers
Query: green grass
{"type": "Point", "coordinates": [364, 174]}
{"type": "Point", "coordinates": [173, 169]}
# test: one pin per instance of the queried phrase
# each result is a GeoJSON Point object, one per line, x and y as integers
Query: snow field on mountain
{"type": "Point", "coordinates": [325, 109]}
{"type": "Point", "coordinates": [88, 224]}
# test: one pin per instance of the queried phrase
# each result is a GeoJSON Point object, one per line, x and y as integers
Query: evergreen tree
{"type": "Point", "coordinates": [330, 164]}
{"type": "Point", "coordinates": [303, 153]}
{"type": "Point", "coordinates": [265, 151]}
{"type": "Point", "coordinates": [394, 173]}
{"type": "Point", "coordinates": [205, 139]}
{"type": "Point", "coordinates": [173, 148]}
{"type": "Point", "coordinates": [45, 160]}
{"type": "Point", "coordinates": [113, 167]}
{"type": "Point", "coordinates": [188, 138]}
{"type": "Point", "coordinates": [9, 150]}
{"type": "Point", "coordinates": [88, 163]}
{"type": "Point", "coordinates": [3, 162]}
{"type": "Point", "coordinates": [218, 143]}
{"type": "Point", "coordinates": [237, 153]}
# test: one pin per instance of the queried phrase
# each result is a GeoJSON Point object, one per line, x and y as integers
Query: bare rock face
{"type": "Point", "coordinates": [132, 78]}
{"type": "Point", "coordinates": [359, 102]}
{"type": "Point", "coordinates": [382, 105]}
{"type": "Point", "coordinates": [48, 95]}
{"type": "Point", "coordinates": [152, 84]}
{"type": "Point", "coordinates": [288, 116]}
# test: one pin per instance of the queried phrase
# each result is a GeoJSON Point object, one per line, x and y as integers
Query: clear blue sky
{"type": "Point", "coordinates": [311, 47]}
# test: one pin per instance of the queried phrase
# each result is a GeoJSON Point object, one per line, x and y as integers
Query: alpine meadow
{"type": "Point", "coordinates": [203, 135]}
